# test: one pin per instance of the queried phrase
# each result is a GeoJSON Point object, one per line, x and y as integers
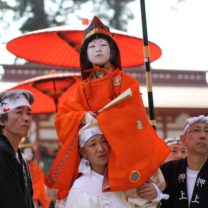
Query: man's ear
{"type": "Point", "coordinates": [182, 138]}
{"type": "Point", "coordinates": [1, 123]}
{"type": "Point", "coordinates": [82, 152]}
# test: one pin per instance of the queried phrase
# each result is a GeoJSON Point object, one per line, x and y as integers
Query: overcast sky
{"type": "Point", "coordinates": [179, 27]}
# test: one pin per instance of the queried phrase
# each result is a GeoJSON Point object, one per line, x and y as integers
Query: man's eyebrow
{"type": "Point", "coordinates": [20, 107]}
{"type": "Point", "coordinates": [196, 126]}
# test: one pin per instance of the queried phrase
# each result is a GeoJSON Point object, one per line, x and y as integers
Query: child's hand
{"type": "Point", "coordinates": [93, 114]}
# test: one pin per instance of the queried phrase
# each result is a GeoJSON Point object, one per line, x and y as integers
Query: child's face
{"type": "Point", "coordinates": [98, 52]}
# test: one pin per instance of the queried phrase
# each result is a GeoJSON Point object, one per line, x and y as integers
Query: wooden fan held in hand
{"type": "Point", "coordinates": [123, 96]}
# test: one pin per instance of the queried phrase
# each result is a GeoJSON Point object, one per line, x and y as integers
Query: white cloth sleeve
{"type": "Point", "coordinates": [160, 195]}
{"type": "Point", "coordinates": [81, 199]}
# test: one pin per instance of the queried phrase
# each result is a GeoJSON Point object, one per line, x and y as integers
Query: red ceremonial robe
{"type": "Point", "coordinates": [39, 193]}
{"type": "Point", "coordinates": [136, 150]}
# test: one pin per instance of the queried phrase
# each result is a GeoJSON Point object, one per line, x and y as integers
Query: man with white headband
{"type": "Point", "coordinates": [178, 149]}
{"type": "Point", "coordinates": [187, 179]}
{"type": "Point", "coordinates": [87, 189]}
{"type": "Point", "coordinates": [15, 120]}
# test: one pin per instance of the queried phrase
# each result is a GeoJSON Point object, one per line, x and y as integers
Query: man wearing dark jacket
{"type": "Point", "coordinates": [187, 179]}
{"type": "Point", "coordinates": [15, 120]}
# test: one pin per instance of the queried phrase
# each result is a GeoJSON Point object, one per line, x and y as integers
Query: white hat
{"type": "Point", "coordinates": [172, 141]}
{"type": "Point", "coordinates": [9, 104]}
{"type": "Point", "coordinates": [89, 130]}
{"type": "Point", "coordinates": [193, 120]}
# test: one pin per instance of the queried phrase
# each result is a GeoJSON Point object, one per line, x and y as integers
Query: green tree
{"type": "Point", "coordinates": [38, 14]}
{"type": "Point", "coordinates": [4, 5]}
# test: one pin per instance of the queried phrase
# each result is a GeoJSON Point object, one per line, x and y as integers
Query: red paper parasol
{"type": "Point", "coordinates": [49, 90]}
{"type": "Point", "coordinates": [59, 46]}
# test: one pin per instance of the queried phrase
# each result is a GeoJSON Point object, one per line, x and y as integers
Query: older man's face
{"type": "Point", "coordinates": [96, 151]}
{"type": "Point", "coordinates": [177, 152]}
{"type": "Point", "coordinates": [196, 138]}
{"type": "Point", "coordinates": [18, 123]}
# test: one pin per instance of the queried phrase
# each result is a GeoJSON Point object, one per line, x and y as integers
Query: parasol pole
{"type": "Point", "coordinates": [55, 97]}
{"type": "Point", "coordinates": [147, 65]}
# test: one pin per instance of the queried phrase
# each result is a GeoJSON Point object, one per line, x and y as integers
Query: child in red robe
{"type": "Point", "coordinates": [136, 150]}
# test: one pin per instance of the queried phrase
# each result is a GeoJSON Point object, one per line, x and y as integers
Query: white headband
{"type": "Point", "coordinates": [89, 130]}
{"type": "Point", "coordinates": [171, 141]}
{"type": "Point", "coordinates": [9, 104]}
{"type": "Point", "coordinates": [193, 120]}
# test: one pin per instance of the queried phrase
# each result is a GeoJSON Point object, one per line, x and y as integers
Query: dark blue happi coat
{"type": "Point", "coordinates": [175, 176]}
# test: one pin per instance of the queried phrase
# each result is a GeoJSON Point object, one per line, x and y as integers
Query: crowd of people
{"type": "Point", "coordinates": [112, 158]}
